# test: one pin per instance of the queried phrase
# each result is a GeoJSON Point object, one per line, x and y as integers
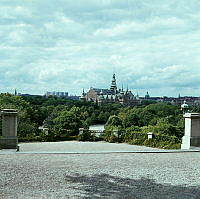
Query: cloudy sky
{"type": "Point", "coordinates": [68, 45]}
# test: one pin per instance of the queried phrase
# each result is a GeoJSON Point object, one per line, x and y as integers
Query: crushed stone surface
{"type": "Point", "coordinates": [123, 175]}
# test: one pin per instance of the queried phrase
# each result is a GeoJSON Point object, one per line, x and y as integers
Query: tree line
{"type": "Point", "coordinates": [64, 117]}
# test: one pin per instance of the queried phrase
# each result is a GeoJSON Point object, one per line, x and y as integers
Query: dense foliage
{"type": "Point", "coordinates": [63, 117]}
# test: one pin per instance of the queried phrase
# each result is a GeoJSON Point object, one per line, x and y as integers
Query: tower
{"type": "Point", "coordinates": [127, 89]}
{"type": "Point", "coordinates": [137, 96]}
{"type": "Point", "coordinates": [83, 96]}
{"type": "Point", "coordinates": [101, 99]}
{"type": "Point", "coordinates": [113, 86]}
{"type": "Point", "coordinates": [147, 96]}
{"type": "Point", "coordinates": [15, 92]}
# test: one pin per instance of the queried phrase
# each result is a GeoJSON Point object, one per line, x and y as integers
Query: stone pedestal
{"type": "Point", "coordinates": [192, 131]}
{"type": "Point", "coordinates": [9, 138]}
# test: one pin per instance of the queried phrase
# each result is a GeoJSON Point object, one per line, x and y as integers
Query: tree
{"type": "Point", "coordinates": [114, 121]}
{"type": "Point", "coordinates": [103, 117]}
{"type": "Point", "coordinates": [69, 120]}
{"type": "Point", "coordinates": [26, 125]}
{"type": "Point", "coordinates": [131, 119]}
{"type": "Point", "coordinates": [164, 127]}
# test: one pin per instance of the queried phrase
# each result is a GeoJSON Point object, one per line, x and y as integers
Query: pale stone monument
{"type": "Point", "coordinates": [81, 130]}
{"type": "Point", "coordinates": [150, 135]}
{"type": "Point", "coordinates": [116, 133]}
{"type": "Point", "coordinates": [44, 129]}
{"type": "Point", "coordinates": [192, 131]}
{"type": "Point", "coordinates": [9, 138]}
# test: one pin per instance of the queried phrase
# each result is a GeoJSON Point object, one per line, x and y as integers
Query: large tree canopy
{"type": "Point", "coordinates": [59, 114]}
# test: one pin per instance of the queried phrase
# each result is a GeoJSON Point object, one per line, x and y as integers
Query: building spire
{"type": "Point", "coordinates": [15, 92]}
{"type": "Point", "coordinates": [83, 96]}
{"type": "Point", "coordinates": [147, 96]}
{"type": "Point", "coordinates": [113, 86]}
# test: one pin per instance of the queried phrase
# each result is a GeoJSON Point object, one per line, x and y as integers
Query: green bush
{"type": "Point", "coordinates": [130, 136]}
{"type": "Point", "coordinates": [86, 136]}
{"type": "Point", "coordinates": [31, 139]}
{"type": "Point", "coordinates": [136, 142]}
{"type": "Point", "coordinates": [158, 140]}
{"type": "Point", "coordinates": [53, 136]}
{"type": "Point", "coordinates": [167, 138]}
{"type": "Point", "coordinates": [161, 144]}
{"type": "Point", "coordinates": [109, 136]}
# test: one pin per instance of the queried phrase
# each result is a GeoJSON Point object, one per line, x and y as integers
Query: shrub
{"type": "Point", "coordinates": [86, 136]}
{"type": "Point", "coordinates": [164, 142]}
{"type": "Point", "coordinates": [109, 136]}
{"type": "Point", "coordinates": [130, 136]}
{"type": "Point", "coordinates": [53, 136]}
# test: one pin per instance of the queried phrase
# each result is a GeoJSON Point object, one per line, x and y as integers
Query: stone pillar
{"type": "Point", "coordinates": [81, 130]}
{"type": "Point", "coordinates": [9, 138]}
{"type": "Point", "coordinates": [150, 135]}
{"type": "Point", "coordinates": [116, 132]}
{"type": "Point", "coordinates": [192, 131]}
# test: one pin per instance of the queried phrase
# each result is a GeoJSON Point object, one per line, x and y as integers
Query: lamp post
{"type": "Point", "coordinates": [185, 108]}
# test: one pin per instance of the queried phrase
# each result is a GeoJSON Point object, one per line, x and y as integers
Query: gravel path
{"type": "Point", "coordinates": [81, 147]}
{"type": "Point", "coordinates": [144, 175]}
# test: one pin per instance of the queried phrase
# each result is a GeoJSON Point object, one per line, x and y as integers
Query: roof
{"type": "Point", "coordinates": [104, 91]}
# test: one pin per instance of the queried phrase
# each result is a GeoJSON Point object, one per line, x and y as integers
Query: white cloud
{"type": "Point", "coordinates": [69, 46]}
{"type": "Point", "coordinates": [127, 27]}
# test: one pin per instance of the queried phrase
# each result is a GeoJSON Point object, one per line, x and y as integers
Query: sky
{"type": "Point", "coordinates": [68, 45]}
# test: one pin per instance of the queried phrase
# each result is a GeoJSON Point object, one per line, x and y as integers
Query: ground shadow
{"type": "Point", "coordinates": [107, 186]}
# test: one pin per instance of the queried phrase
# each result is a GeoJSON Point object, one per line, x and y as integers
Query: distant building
{"type": "Point", "coordinates": [102, 96]}
{"type": "Point", "coordinates": [147, 96]}
{"type": "Point", "coordinates": [57, 94]}
{"type": "Point", "coordinates": [191, 101]}
{"type": "Point", "coordinates": [62, 94]}
{"type": "Point", "coordinates": [23, 94]}
{"type": "Point", "coordinates": [73, 97]}
{"type": "Point", "coordinates": [15, 94]}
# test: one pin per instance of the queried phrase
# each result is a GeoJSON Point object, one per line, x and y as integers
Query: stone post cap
{"type": "Point", "coordinates": [149, 133]}
{"type": "Point", "coordinates": [9, 111]}
{"type": "Point", "coordinates": [192, 115]}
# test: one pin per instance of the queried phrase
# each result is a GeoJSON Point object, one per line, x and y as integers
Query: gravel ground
{"type": "Point", "coordinates": [125, 175]}
{"type": "Point", "coordinates": [75, 146]}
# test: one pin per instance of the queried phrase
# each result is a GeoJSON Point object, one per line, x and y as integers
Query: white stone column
{"type": "Point", "coordinates": [9, 138]}
{"type": "Point", "coordinates": [192, 131]}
